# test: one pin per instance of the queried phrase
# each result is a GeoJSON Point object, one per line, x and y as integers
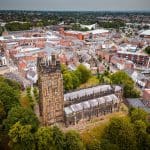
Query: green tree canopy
{"type": "Point", "coordinates": [71, 81]}
{"type": "Point", "coordinates": [44, 139]}
{"type": "Point", "coordinates": [121, 133]}
{"type": "Point", "coordinates": [147, 50]}
{"type": "Point", "coordinates": [94, 145]}
{"type": "Point", "coordinates": [24, 115]}
{"type": "Point", "coordinates": [75, 80]}
{"type": "Point", "coordinates": [106, 145]}
{"type": "Point", "coordinates": [15, 85]}
{"type": "Point", "coordinates": [138, 114]}
{"type": "Point", "coordinates": [73, 141]}
{"type": "Point", "coordinates": [67, 79]}
{"type": "Point", "coordinates": [58, 138]}
{"type": "Point", "coordinates": [21, 137]}
{"type": "Point", "coordinates": [17, 26]}
{"type": "Point", "coordinates": [142, 138]}
{"type": "Point", "coordinates": [122, 78]}
{"type": "Point", "coordinates": [85, 74]}
{"type": "Point", "coordinates": [113, 24]}
{"type": "Point", "coordinates": [63, 68]}
{"type": "Point", "coordinates": [8, 96]}
{"type": "Point", "coordinates": [2, 112]}
{"type": "Point", "coordinates": [9, 93]}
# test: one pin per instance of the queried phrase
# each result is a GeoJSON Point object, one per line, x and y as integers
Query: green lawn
{"type": "Point", "coordinates": [91, 82]}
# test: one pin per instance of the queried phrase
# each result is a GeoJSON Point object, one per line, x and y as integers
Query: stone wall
{"type": "Point", "coordinates": [51, 93]}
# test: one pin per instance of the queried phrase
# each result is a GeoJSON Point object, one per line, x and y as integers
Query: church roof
{"type": "Point", "coordinates": [88, 91]}
{"type": "Point", "coordinates": [90, 103]}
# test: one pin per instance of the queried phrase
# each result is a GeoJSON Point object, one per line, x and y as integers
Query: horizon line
{"type": "Point", "coordinates": [73, 10]}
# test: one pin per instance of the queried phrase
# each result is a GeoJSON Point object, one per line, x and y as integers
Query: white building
{"type": "Point", "coordinates": [3, 61]}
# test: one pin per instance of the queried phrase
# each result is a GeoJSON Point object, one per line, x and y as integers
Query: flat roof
{"type": "Point", "coordinates": [133, 53]}
{"type": "Point", "coordinates": [97, 31]}
{"type": "Point", "coordinates": [145, 32]}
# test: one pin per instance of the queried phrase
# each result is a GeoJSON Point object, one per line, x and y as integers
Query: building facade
{"type": "Point", "coordinates": [50, 84]}
{"type": "Point", "coordinates": [137, 58]}
{"type": "Point", "coordinates": [72, 107]}
{"type": "Point", "coordinates": [91, 102]}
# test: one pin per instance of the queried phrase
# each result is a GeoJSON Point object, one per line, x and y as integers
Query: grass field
{"type": "Point", "coordinates": [91, 82]}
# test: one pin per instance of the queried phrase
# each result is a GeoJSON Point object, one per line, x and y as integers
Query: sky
{"type": "Point", "coordinates": [90, 5]}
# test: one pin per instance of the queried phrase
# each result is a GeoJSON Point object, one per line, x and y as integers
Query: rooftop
{"type": "Point", "coordinates": [91, 103]}
{"type": "Point", "coordinates": [87, 91]}
{"type": "Point", "coordinates": [145, 32]}
{"type": "Point", "coordinates": [137, 103]}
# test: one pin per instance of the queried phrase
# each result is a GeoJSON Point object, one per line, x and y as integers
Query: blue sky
{"type": "Point", "coordinates": [124, 5]}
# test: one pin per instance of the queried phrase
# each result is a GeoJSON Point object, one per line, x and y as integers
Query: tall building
{"type": "Point", "coordinates": [50, 84]}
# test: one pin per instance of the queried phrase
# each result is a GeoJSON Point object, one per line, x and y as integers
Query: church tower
{"type": "Point", "coordinates": [50, 84]}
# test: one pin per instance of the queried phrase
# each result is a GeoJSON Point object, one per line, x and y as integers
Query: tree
{"type": "Point", "coordinates": [2, 112]}
{"type": "Point", "coordinates": [85, 74]}
{"type": "Point", "coordinates": [31, 100]}
{"type": "Point", "coordinates": [44, 139]}
{"type": "Point", "coordinates": [142, 138]}
{"type": "Point", "coordinates": [78, 75]}
{"type": "Point", "coordinates": [8, 96]}
{"type": "Point", "coordinates": [67, 78]}
{"type": "Point", "coordinates": [138, 114]}
{"type": "Point", "coordinates": [73, 141]}
{"type": "Point", "coordinates": [147, 50]}
{"type": "Point", "coordinates": [70, 78]}
{"type": "Point", "coordinates": [36, 94]}
{"type": "Point", "coordinates": [113, 24]}
{"type": "Point", "coordinates": [39, 24]}
{"type": "Point", "coordinates": [147, 142]}
{"type": "Point", "coordinates": [24, 115]}
{"type": "Point", "coordinates": [17, 26]}
{"type": "Point", "coordinates": [92, 138]}
{"type": "Point", "coordinates": [58, 138]}
{"type": "Point", "coordinates": [15, 85]}
{"type": "Point", "coordinates": [63, 68]}
{"type": "Point", "coordinates": [123, 79]}
{"type": "Point", "coordinates": [119, 77]}
{"type": "Point", "coordinates": [94, 145]}
{"type": "Point", "coordinates": [106, 145]}
{"type": "Point", "coordinates": [21, 137]}
{"type": "Point", "coordinates": [121, 133]}
{"type": "Point", "coordinates": [75, 80]}
{"type": "Point", "coordinates": [100, 78]}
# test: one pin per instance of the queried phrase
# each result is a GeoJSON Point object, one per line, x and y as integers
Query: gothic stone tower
{"type": "Point", "coordinates": [50, 84]}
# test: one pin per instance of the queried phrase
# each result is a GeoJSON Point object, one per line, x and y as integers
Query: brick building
{"type": "Point", "coordinates": [146, 95]}
{"type": "Point", "coordinates": [137, 58]}
{"type": "Point", "coordinates": [106, 55]}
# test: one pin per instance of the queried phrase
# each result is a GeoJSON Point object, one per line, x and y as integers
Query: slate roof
{"type": "Point", "coordinates": [90, 103]}
{"type": "Point", "coordinates": [88, 91]}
